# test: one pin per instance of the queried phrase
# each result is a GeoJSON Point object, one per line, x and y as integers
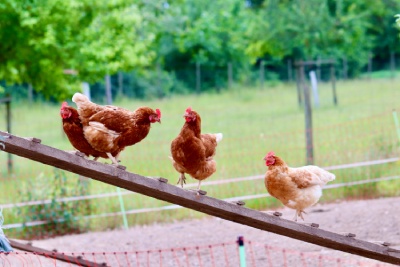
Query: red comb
{"type": "Point", "coordinates": [64, 104]}
{"type": "Point", "coordinates": [271, 154]}
{"type": "Point", "coordinates": [188, 110]}
{"type": "Point", "coordinates": [158, 113]}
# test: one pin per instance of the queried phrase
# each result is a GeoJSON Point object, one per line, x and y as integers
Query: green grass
{"type": "Point", "coordinates": [253, 122]}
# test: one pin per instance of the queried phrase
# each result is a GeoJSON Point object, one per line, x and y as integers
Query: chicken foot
{"type": "Point", "coordinates": [115, 162]}
{"type": "Point", "coordinates": [182, 179]}
{"type": "Point", "coordinates": [300, 214]}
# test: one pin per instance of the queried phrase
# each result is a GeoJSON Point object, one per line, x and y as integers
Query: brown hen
{"type": "Point", "coordinates": [73, 128]}
{"type": "Point", "coordinates": [193, 152]}
{"type": "Point", "coordinates": [110, 129]}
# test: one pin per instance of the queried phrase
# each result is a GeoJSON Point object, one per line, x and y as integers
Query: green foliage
{"type": "Point", "coordinates": [59, 215]}
{"type": "Point", "coordinates": [42, 38]}
{"type": "Point", "coordinates": [163, 40]}
{"type": "Point", "coordinates": [311, 29]}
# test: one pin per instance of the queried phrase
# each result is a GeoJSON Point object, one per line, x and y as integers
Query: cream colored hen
{"type": "Point", "coordinates": [297, 188]}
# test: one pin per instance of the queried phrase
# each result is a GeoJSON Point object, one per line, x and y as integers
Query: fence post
{"type": "Point", "coordinates": [120, 84]}
{"type": "Point", "coordinates": [392, 65]}
{"type": "Point", "coordinates": [308, 119]}
{"type": "Point", "coordinates": [290, 70]}
{"type": "Point", "coordinates": [8, 119]}
{"type": "Point", "coordinates": [230, 75]}
{"type": "Point", "coordinates": [198, 77]}
{"type": "Point", "coordinates": [333, 79]}
{"type": "Point", "coordinates": [319, 68]}
{"type": "Point", "coordinates": [262, 74]}
{"type": "Point", "coordinates": [369, 65]}
{"type": "Point", "coordinates": [344, 68]}
{"type": "Point", "coordinates": [108, 90]}
{"type": "Point", "coordinates": [30, 93]}
{"type": "Point", "coordinates": [122, 205]}
{"type": "Point", "coordinates": [314, 85]}
{"type": "Point", "coordinates": [396, 123]}
{"type": "Point", "coordinates": [242, 251]}
{"type": "Point", "coordinates": [298, 84]}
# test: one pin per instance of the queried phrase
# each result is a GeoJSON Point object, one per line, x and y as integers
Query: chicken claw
{"type": "Point", "coordinates": [300, 214]}
{"type": "Point", "coordinates": [182, 179]}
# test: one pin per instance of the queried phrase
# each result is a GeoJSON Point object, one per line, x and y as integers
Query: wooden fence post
{"type": "Point", "coordinates": [392, 65]}
{"type": "Point", "coordinates": [198, 77]}
{"type": "Point", "coordinates": [8, 119]}
{"type": "Point", "coordinates": [319, 68]}
{"type": "Point", "coordinates": [298, 84]}
{"type": "Point", "coordinates": [333, 79]}
{"type": "Point", "coordinates": [369, 65]}
{"type": "Point", "coordinates": [262, 74]}
{"type": "Point", "coordinates": [290, 70]}
{"type": "Point", "coordinates": [345, 68]}
{"type": "Point", "coordinates": [120, 83]}
{"type": "Point", "coordinates": [308, 119]}
{"type": "Point", "coordinates": [230, 74]}
{"type": "Point", "coordinates": [30, 93]}
{"type": "Point", "coordinates": [108, 90]}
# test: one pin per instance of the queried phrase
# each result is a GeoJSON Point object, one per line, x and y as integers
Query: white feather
{"type": "Point", "coordinates": [219, 137]}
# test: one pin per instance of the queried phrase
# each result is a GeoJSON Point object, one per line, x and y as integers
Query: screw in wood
{"type": "Point", "coordinates": [240, 203]}
{"type": "Point", "coordinates": [162, 180]}
{"type": "Point", "coordinates": [121, 167]}
{"type": "Point", "coordinates": [36, 140]}
{"type": "Point", "coordinates": [202, 192]}
{"type": "Point", "coordinates": [277, 214]}
{"type": "Point", "coordinates": [350, 235]}
{"type": "Point", "coordinates": [79, 154]}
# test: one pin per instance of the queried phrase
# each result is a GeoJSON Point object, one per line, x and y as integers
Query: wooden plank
{"type": "Point", "coordinates": [174, 194]}
{"type": "Point", "coordinates": [55, 255]}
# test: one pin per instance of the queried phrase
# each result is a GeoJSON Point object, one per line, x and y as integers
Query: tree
{"type": "Point", "coordinates": [311, 29]}
{"type": "Point", "coordinates": [40, 39]}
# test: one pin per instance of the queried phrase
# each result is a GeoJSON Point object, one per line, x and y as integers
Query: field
{"type": "Point", "coordinates": [253, 121]}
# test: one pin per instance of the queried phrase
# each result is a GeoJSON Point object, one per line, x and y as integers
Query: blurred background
{"type": "Point", "coordinates": [242, 64]}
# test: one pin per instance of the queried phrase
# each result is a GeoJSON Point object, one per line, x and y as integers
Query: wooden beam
{"type": "Point", "coordinates": [55, 255]}
{"type": "Point", "coordinates": [158, 188]}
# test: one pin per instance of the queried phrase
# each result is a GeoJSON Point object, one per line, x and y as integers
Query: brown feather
{"type": "Point", "coordinates": [191, 151]}
{"type": "Point", "coordinates": [73, 128]}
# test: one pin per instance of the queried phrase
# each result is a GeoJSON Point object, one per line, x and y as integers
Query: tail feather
{"type": "Point", "coordinates": [219, 137]}
{"type": "Point", "coordinates": [79, 99]}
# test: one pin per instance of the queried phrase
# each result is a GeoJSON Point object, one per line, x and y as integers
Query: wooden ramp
{"type": "Point", "coordinates": [159, 188]}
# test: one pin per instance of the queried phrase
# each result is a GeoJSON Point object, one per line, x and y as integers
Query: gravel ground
{"type": "Point", "coordinates": [370, 220]}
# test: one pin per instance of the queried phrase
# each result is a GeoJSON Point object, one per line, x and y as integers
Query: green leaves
{"type": "Point", "coordinates": [42, 38]}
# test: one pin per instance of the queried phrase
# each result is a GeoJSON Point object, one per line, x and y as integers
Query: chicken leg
{"type": "Point", "coordinates": [182, 179]}
{"type": "Point", "coordinates": [115, 162]}
{"type": "Point", "coordinates": [300, 214]}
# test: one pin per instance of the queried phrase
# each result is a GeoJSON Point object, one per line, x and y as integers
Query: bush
{"type": "Point", "coordinates": [60, 217]}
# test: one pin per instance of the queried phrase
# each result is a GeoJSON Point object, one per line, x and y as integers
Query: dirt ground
{"type": "Point", "coordinates": [370, 220]}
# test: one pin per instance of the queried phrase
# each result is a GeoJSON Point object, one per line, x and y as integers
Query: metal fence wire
{"type": "Point", "coordinates": [215, 255]}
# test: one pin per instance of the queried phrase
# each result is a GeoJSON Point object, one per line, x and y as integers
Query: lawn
{"type": "Point", "coordinates": [253, 122]}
